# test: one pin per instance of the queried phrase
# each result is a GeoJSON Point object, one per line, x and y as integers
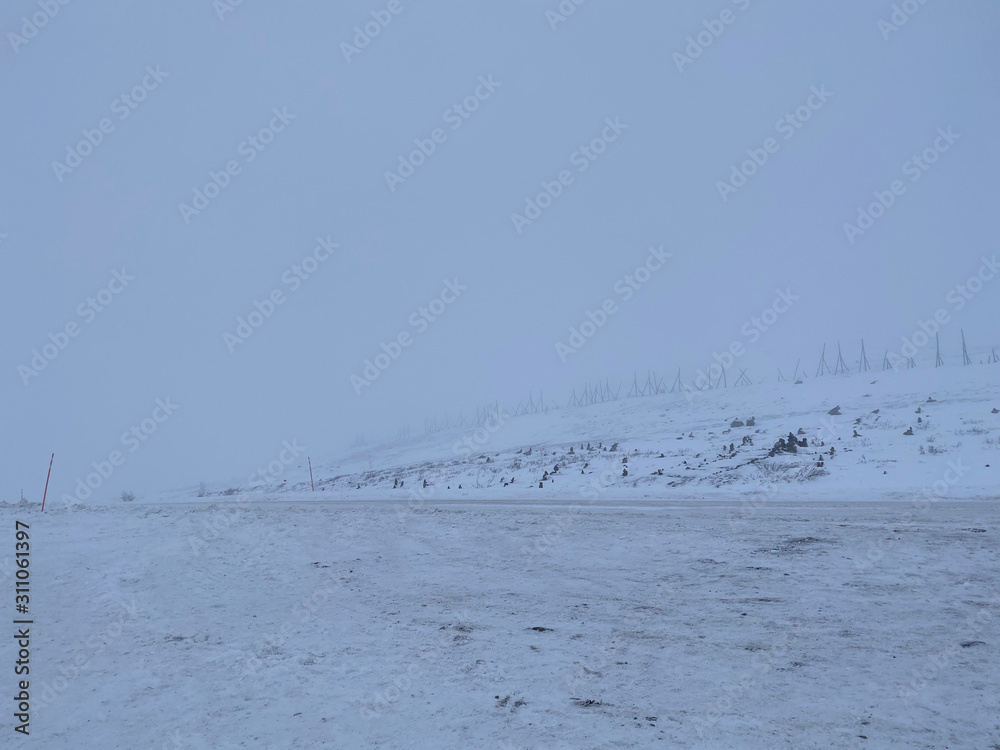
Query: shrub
{"type": "Point", "coordinates": [128, 497]}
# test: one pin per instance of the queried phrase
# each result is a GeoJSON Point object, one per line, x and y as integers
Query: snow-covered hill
{"type": "Point", "coordinates": [923, 433]}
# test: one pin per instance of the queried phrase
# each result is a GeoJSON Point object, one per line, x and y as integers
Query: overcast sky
{"type": "Point", "coordinates": [634, 115]}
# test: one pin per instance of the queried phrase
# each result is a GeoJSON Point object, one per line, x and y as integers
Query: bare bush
{"type": "Point", "coordinates": [973, 431]}
{"type": "Point", "coordinates": [486, 478]}
{"type": "Point", "coordinates": [775, 471]}
{"type": "Point", "coordinates": [779, 471]}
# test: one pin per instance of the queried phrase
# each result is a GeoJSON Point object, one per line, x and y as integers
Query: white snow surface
{"type": "Point", "coordinates": [954, 437]}
{"type": "Point", "coordinates": [372, 625]}
{"type": "Point", "coordinates": [735, 601]}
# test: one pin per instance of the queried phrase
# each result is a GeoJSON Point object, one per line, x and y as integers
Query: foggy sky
{"type": "Point", "coordinates": [834, 101]}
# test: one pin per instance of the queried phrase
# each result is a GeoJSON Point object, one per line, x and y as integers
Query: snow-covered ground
{"type": "Point", "coordinates": [509, 625]}
{"type": "Point", "coordinates": [676, 445]}
{"type": "Point", "coordinates": [710, 598]}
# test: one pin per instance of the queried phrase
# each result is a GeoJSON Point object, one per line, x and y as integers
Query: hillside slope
{"type": "Point", "coordinates": [673, 445]}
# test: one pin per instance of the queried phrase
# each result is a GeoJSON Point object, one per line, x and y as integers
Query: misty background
{"type": "Point", "coordinates": [555, 83]}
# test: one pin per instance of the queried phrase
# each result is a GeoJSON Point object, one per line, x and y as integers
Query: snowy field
{"type": "Point", "coordinates": [442, 375]}
{"type": "Point", "coordinates": [928, 433]}
{"type": "Point", "coordinates": [615, 576]}
{"type": "Point", "coordinates": [509, 624]}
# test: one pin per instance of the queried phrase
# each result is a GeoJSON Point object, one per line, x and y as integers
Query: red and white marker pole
{"type": "Point", "coordinates": [47, 476]}
{"type": "Point", "coordinates": [310, 473]}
